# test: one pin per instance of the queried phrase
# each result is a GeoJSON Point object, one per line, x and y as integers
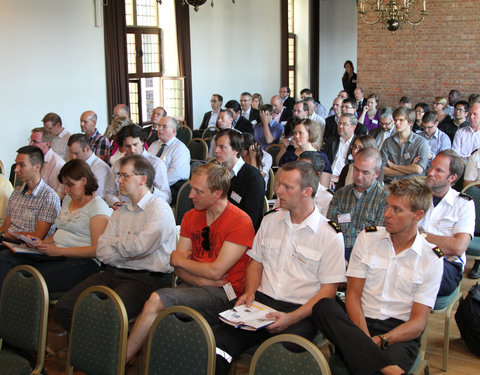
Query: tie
{"type": "Point", "coordinates": [160, 152]}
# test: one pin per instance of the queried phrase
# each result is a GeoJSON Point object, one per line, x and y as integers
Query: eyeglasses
{"type": "Point", "coordinates": [459, 110]}
{"type": "Point", "coordinates": [30, 140]}
{"type": "Point", "coordinates": [206, 238]}
{"type": "Point", "coordinates": [385, 123]}
{"type": "Point", "coordinates": [124, 176]}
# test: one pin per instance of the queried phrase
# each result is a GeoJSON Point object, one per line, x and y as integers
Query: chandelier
{"type": "Point", "coordinates": [392, 13]}
{"type": "Point", "coordinates": [197, 3]}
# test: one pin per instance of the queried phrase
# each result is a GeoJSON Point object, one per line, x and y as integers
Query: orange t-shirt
{"type": "Point", "coordinates": [232, 225]}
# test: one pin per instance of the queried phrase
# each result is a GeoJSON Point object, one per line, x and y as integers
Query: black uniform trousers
{"type": "Point", "coordinates": [361, 355]}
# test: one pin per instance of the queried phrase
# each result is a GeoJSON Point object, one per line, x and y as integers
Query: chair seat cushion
{"type": "Point", "coordinates": [474, 247]}
{"type": "Point", "coordinates": [443, 301]}
{"type": "Point", "coordinates": [13, 364]}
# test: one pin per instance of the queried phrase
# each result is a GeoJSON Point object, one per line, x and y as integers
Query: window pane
{"type": "Point", "coordinates": [151, 53]}
{"type": "Point", "coordinates": [150, 96]}
{"type": "Point", "coordinates": [131, 54]}
{"type": "Point", "coordinates": [147, 13]}
{"type": "Point", "coordinates": [291, 81]}
{"type": "Point", "coordinates": [290, 16]}
{"type": "Point", "coordinates": [129, 12]}
{"type": "Point", "coordinates": [173, 97]}
{"type": "Point", "coordinates": [134, 110]}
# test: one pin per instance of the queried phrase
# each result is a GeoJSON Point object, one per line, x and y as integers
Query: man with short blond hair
{"type": "Point", "coordinates": [210, 258]}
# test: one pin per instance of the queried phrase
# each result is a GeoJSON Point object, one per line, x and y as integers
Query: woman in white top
{"type": "Point", "coordinates": [72, 249]}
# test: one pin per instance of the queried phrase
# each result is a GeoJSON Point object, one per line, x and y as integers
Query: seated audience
{"type": "Point", "coordinates": [404, 154]}
{"type": "Point", "coordinates": [453, 98]}
{"type": "Point", "coordinates": [32, 207]}
{"type": "Point", "coordinates": [360, 100]}
{"type": "Point", "coordinates": [436, 139]}
{"type": "Point", "coordinates": [331, 122]}
{"type": "Point", "coordinates": [346, 175]}
{"type": "Point", "coordinates": [131, 138]}
{"type": "Point", "coordinates": [460, 119]}
{"type": "Point", "coordinates": [41, 138]}
{"type": "Point", "coordinates": [350, 106]}
{"type": "Point", "coordinates": [268, 131]}
{"type": "Point", "coordinates": [224, 121]}
{"type": "Point", "coordinates": [116, 150]}
{"type": "Point", "coordinates": [134, 248]}
{"type": "Point", "coordinates": [53, 122]}
{"type": "Point", "coordinates": [254, 155]}
{"type": "Point", "coordinates": [210, 117]}
{"type": "Point", "coordinates": [71, 250]}
{"type": "Point", "coordinates": [420, 110]}
{"type": "Point", "coordinates": [444, 121]}
{"type": "Point", "coordinates": [287, 100]}
{"type": "Point", "coordinates": [249, 113]}
{"type": "Point", "coordinates": [319, 108]}
{"type": "Point", "coordinates": [151, 131]}
{"type": "Point", "coordinates": [247, 187]}
{"type": "Point", "coordinates": [467, 139]}
{"type": "Point", "coordinates": [257, 101]}
{"type": "Point", "coordinates": [288, 271]}
{"type": "Point", "coordinates": [210, 258]}
{"type": "Point", "coordinates": [393, 279]}
{"type": "Point", "coordinates": [174, 153]}
{"type": "Point", "coordinates": [405, 101]}
{"type": "Point", "coordinates": [281, 114]}
{"type": "Point", "coordinates": [386, 127]}
{"type": "Point", "coordinates": [99, 143]}
{"type": "Point", "coordinates": [6, 190]}
{"type": "Point", "coordinates": [472, 170]}
{"type": "Point", "coordinates": [79, 148]}
{"type": "Point", "coordinates": [362, 203]}
{"type": "Point", "coordinates": [240, 123]}
{"type": "Point", "coordinates": [449, 223]}
{"type": "Point", "coordinates": [370, 114]}
{"type": "Point", "coordinates": [312, 115]}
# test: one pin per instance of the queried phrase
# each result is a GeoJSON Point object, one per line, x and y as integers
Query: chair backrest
{"type": "Point", "coordinates": [273, 358]}
{"type": "Point", "coordinates": [266, 206]}
{"type": "Point", "coordinates": [210, 132]}
{"type": "Point", "coordinates": [24, 311]}
{"type": "Point", "coordinates": [270, 184]}
{"type": "Point", "coordinates": [98, 338]}
{"type": "Point", "coordinates": [184, 203]}
{"type": "Point", "coordinates": [274, 150]}
{"type": "Point", "coordinates": [473, 190]}
{"type": "Point", "coordinates": [198, 149]}
{"type": "Point", "coordinates": [194, 164]}
{"type": "Point", "coordinates": [180, 346]}
{"type": "Point", "coordinates": [184, 133]}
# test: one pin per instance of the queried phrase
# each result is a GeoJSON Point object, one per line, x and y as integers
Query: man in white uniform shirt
{"type": "Point", "coordinates": [450, 221]}
{"type": "Point", "coordinates": [135, 247]}
{"type": "Point", "coordinates": [288, 271]}
{"type": "Point", "coordinates": [174, 153]}
{"type": "Point", "coordinates": [79, 148]}
{"type": "Point", "coordinates": [132, 139]}
{"type": "Point", "coordinates": [393, 280]}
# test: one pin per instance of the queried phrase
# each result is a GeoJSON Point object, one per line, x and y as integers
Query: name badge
{"type": "Point", "coordinates": [406, 155]}
{"type": "Point", "coordinates": [254, 122]}
{"type": "Point", "coordinates": [375, 121]}
{"type": "Point", "coordinates": [283, 123]}
{"type": "Point", "coordinates": [229, 291]}
{"type": "Point", "coordinates": [344, 218]}
{"type": "Point", "coordinates": [237, 198]}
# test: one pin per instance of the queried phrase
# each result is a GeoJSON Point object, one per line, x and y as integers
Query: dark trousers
{"type": "Point", "coordinates": [452, 274]}
{"type": "Point", "coordinates": [133, 288]}
{"type": "Point", "coordinates": [60, 273]}
{"type": "Point", "coordinates": [361, 355]}
{"type": "Point", "coordinates": [234, 341]}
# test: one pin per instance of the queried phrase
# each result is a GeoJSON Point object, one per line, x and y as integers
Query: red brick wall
{"type": "Point", "coordinates": [440, 54]}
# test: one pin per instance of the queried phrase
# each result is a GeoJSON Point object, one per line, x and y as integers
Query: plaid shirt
{"type": "Point", "coordinates": [26, 210]}
{"type": "Point", "coordinates": [364, 211]}
{"type": "Point", "coordinates": [100, 144]}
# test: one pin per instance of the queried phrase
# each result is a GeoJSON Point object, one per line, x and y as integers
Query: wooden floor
{"type": "Point", "coordinates": [461, 361]}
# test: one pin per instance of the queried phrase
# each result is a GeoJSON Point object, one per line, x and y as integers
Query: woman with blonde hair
{"type": "Point", "coordinates": [257, 100]}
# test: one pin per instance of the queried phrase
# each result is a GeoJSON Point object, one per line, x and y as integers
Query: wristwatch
{"type": "Point", "coordinates": [384, 342]}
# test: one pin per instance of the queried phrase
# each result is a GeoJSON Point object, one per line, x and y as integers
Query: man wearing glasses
{"type": "Point", "coordinates": [385, 128]}
{"type": "Point", "coordinates": [210, 258]}
{"type": "Point", "coordinates": [210, 117]}
{"type": "Point", "coordinates": [135, 247]}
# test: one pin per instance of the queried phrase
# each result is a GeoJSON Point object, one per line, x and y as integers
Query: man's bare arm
{"type": "Point", "coordinates": [353, 303]}
{"type": "Point", "coordinates": [252, 282]}
{"type": "Point", "coordinates": [454, 245]}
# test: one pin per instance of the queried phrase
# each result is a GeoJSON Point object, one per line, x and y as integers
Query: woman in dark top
{"type": "Point", "coordinates": [420, 110]}
{"type": "Point", "coordinates": [349, 79]}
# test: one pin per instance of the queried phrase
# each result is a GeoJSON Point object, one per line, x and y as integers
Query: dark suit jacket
{"type": "Point", "coordinates": [360, 107]}
{"type": "Point", "coordinates": [249, 185]}
{"type": "Point", "coordinates": [289, 103]}
{"type": "Point", "coordinates": [286, 115]}
{"type": "Point", "coordinates": [254, 115]}
{"type": "Point", "coordinates": [148, 135]}
{"type": "Point", "coordinates": [243, 125]}
{"type": "Point", "coordinates": [331, 148]}
{"type": "Point", "coordinates": [206, 119]}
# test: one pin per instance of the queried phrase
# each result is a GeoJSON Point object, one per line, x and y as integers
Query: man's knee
{"type": "Point", "coordinates": [154, 304]}
{"type": "Point", "coordinates": [325, 304]}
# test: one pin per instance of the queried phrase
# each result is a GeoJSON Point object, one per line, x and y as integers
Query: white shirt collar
{"type": "Point", "coordinates": [238, 165]}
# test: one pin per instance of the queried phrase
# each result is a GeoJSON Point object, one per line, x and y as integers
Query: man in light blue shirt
{"type": "Point", "coordinates": [436, 139]}
{"type": "Point", "coordinates": [268, 131]}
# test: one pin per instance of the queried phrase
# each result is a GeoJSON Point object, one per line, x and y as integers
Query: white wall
{"type": "Point", "coordinates": [235, 48]}
{"type": "Point", "coordinates": [52, 61]}
{"type": "Point", "coordinates": [338, 43]}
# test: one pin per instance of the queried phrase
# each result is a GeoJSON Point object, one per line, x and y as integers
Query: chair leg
{"type": "Point", "coordinates": [446, 339]}
{"type": "Point", "coordinates": [426, 371]}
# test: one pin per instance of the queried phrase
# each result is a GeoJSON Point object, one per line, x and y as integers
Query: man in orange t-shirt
{"type": "Point", "coordinates": [210, 259]}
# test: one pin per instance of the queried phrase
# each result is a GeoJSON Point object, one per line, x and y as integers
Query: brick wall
{"type": "Point", "coordinates": [440, 54]}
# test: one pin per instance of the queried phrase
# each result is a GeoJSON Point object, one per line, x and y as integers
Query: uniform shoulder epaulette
{"type": "Point", "coordinates": [271, 211]}
{"type": "Point", "coordinates": [438, 252]}
{"type": "Point", "coordinates": [331, 191]}
{"type": "Point", "coordinates": [335, 226]}
{"type": "Point", "coordinates": [371, 228]}
{"type": "Point", "coordinates": [465, 196]}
